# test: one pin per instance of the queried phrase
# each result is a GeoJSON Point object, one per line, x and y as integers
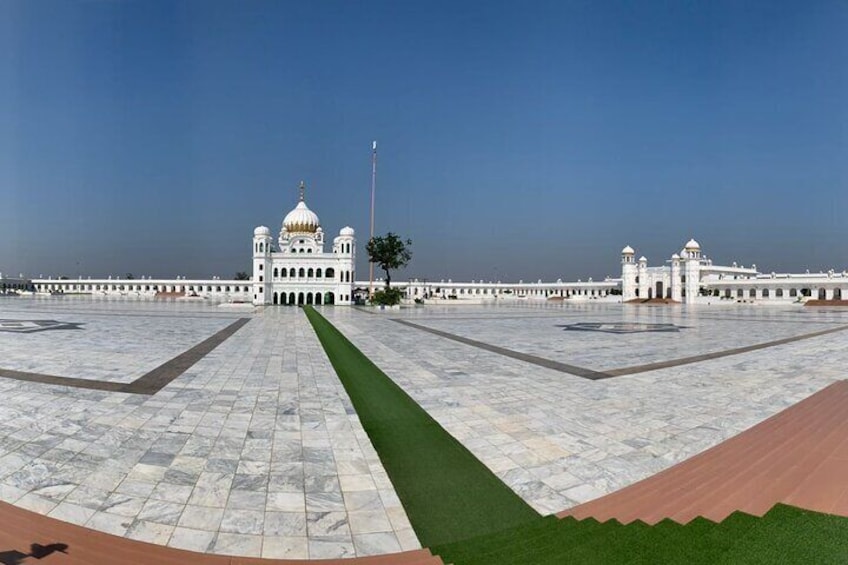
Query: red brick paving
{"type": "Point", "coordinates": [798, 456]}
{"type": "Point", "coordinates": [20, 528]}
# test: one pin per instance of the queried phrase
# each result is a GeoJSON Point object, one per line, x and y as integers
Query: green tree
{"type": "Point", "coordinates": [389, 252]}
{"type": "Point", "coordinates": [130, 277]}
{"type": "Point", "coordinates": [242, 276]}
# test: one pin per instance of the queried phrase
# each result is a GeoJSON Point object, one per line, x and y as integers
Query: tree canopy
{"type": "Point", "coordinates": [389, 252]}
{"type": "Point", "coordinates": [242, 276]}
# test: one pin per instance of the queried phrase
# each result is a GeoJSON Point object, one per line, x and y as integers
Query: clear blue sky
{"type": "Point", "coordinates": [518, 140]}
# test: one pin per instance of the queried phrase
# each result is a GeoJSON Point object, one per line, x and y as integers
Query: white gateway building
{"type": "Point", "coordinates": [297, 270]}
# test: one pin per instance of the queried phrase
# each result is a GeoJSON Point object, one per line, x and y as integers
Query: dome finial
{"type": "Point", "coordinates": [302, 189]}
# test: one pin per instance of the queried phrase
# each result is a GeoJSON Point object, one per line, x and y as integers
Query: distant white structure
{"type": "Point", "coordinates": [690, 277]}
{"type": "Point", "coordinates": [297, 270]}
{"type": "Point", "coordinates": [294, 270]}
{"type": "Point", "coordinates": [14, 285]}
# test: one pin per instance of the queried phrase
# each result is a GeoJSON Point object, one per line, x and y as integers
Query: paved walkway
{"type": "Point", "coordinates": [799, 457]}
{"type": "Point", "coordinates": [254, 450]}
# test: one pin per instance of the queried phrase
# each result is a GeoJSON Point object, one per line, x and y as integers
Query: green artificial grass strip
{"type": "Point", "coordinates": [447, 493]}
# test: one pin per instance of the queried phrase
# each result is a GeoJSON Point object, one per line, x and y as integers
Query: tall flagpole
{"type": "Point", "coordinates": [373, 189]}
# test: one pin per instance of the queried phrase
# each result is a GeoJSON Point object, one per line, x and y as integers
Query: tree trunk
{"type": "Point", "coordinates": [388, 279]}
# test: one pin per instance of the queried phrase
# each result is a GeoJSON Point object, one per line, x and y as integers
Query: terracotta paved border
{"type": "Point", "coordinates": [20, 529]}
{"type": "Point", "coordinates": [149, 383]}
{"type": "Point", "coordinates": [798, 456]}
{"type": "Point", "coordinates": [593, 375]}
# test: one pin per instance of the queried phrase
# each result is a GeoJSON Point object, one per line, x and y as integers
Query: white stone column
{"type": "Point", "coordinates": [643, 278]}
{"type": "Point", "coordinates": [675, 278]}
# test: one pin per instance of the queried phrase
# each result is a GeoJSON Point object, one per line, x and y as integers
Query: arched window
{"type": "Point", "coordinates": [310, 273]}
{"type": "Point", "coordinates": [282, 273]}
{"type": "Point", "coordinates": [765, 293]}
{"type": "Point", "coordinates": [309, 251]}
{"type": "Point", "coordinates": [318, 273]}
{"type": "Point", "coordinates": [276, 273]}
{"type": "Point", "coordinates": [302, 272]}
{"type": "Point", "coordinates": [330, 273]}
{"type": "Point", "coordinates": [291, 272]}
{"type": "Point", "coordinates": [752, 293]}
{"type": "Point", "coordinates": [779, 293]}
{"type": "Point", "coordinates": [261, 247]}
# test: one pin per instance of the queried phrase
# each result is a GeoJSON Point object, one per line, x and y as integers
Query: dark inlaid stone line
{"type": "Point", "coordinates": [62, 381]}
{"type": "Point", "coordinates": [598, 375]}
{"type": "Point", "coordinates": [541, 361]}
{"type": "Point", "coordinates": [161, 376]}
{"type": "Point", "coordinates": [718, 354]}
{"type": "Point", "coordinates": [147, 384]}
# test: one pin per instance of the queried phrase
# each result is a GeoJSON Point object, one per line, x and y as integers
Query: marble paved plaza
{"type": "Point", "coordinates": [256, 450]}
{"type": "Point", "coordinates": [558, 439]}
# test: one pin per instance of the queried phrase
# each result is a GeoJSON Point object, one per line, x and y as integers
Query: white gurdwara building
{"type": "Point", "coordinates": [297, 270]}
{"type": "Point", "coordinates": [690, 277]}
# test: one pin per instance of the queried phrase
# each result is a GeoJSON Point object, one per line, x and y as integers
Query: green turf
{"type": "Point", "coordinates": [465, 514]}
{"type": "Point", "coordinates": [446, 492]}
{"type": "Point", "coordinates": [784, 535]}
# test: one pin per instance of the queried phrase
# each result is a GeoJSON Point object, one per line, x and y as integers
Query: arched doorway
{"type": "Point", "coordinates": [329, 298]}
{"type": "Point", "coordinates": [650, 293]}
{"type": "Point", "coordinates": [659, 293]}
{"type": "Point", "coordinates": [275, 299]}
{"type": "Point", "coordinates": [318, 298]}
{"type": "Point", "coordinates": [300, 299]}
{"type": "Point", "coordinates": [309, 298]}
{"type": "Point", "coordinates": [822, 294]}
{"type": "Point", "coordinates": [837, 294]}
{"type": "Point", "coordinates": [292, 299]}
{"type": "Point", "coordinates": [283, 298]}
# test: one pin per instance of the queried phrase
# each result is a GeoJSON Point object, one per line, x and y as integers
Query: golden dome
{"type": "Point", "coordinates": [301, 219]}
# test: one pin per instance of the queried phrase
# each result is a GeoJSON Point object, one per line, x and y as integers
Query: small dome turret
{"type": "Point", "coordinates": [261, 231]}
{"type": "Point", "coordinates": [692, 245]}
{"type": "Point", "coordinates": [628, 251]}
{"type": "Point", "coordinates": [347, 231]}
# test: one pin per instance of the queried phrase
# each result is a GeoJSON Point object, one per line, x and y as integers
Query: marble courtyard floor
{"type": "Point", "coordinates": [255, 450]}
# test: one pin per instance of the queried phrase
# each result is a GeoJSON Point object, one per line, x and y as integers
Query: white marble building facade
{"type": "Point", "coordinates": [297, 270]}
{"type": "Point", "coordinates": [690, 277]}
